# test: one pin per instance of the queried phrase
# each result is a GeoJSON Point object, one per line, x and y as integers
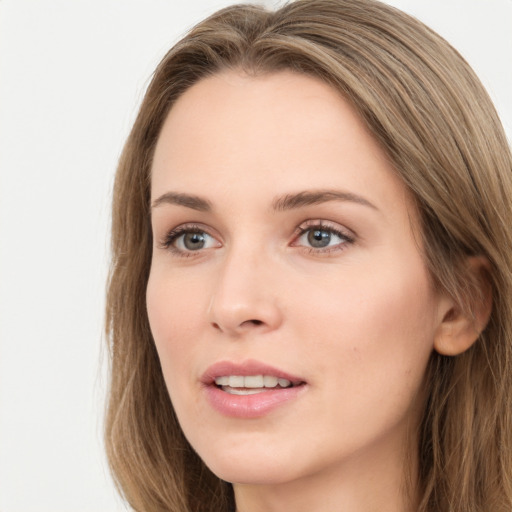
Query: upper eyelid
{"type": "Point", "coordinates": [325, 224]}
{"type": "Point", "coordinates": [193, 226]}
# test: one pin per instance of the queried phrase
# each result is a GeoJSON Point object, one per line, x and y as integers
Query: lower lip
{"type": "Point", "coordinates": [250, 406]}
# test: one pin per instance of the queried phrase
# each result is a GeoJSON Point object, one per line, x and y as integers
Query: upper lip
{"type": "Point", "coordinates": [249, 367]}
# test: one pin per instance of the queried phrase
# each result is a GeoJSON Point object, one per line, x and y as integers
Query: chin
{"type": "Point", "coordinates": [252, 466]}
{"type": "Point", "coordinates": [248, 474]}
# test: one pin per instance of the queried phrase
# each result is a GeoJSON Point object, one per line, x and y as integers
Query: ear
{"type": "Point", "coordinates": [459, 329]}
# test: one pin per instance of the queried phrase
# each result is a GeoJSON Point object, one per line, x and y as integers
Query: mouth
{"type": "Point", "coordinates": [252, 384]}
{"type": "Point", "coordinates": [249, 389]}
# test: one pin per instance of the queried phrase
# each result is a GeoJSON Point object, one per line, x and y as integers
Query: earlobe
{"type": "Point", "coordinates": [460, 327]}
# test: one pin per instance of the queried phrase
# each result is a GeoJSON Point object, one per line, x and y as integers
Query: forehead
{"type": "Point", "coordinates": [273, 133]}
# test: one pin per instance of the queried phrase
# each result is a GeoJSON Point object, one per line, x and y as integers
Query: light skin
{"type": "Point", "coordinates": [245, 171]}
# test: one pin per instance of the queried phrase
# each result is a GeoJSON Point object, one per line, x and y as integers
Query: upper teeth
{"type": "Point", "coordinates": [252, 381]}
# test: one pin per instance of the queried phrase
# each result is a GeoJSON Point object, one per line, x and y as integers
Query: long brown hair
{"type": "Point", "coordinates": [432, 116]}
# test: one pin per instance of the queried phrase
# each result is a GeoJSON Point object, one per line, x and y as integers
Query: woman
{"type": "Point", "coordinates": [309, 306]}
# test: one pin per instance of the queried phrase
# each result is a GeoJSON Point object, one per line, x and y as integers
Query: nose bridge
{"type": "Point", "coordinates": [244, 297]}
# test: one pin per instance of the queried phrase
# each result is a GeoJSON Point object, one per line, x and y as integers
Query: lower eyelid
{"type": "Point", "coordinates": [340, 246]}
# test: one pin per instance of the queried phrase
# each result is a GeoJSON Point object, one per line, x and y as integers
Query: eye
{"type": "Point", "coordinates": [188, 239]}
{"type": "Point", "coordinates": [193, 241]}
{"type": "Point", "coordinates": [322, 238]}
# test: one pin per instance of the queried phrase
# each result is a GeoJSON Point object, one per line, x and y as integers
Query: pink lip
{"type": "Point", "coordinates": [248, 406]}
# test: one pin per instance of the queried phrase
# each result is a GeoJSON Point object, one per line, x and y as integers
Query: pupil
{"type": "Point", "coordinates": [194, 241]}
{"type": "Point", "coordinates": [319, 238]}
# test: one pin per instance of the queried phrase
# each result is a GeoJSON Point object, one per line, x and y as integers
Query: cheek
{"type": "Point", "coordinates": [378, 324]}
{"type": "Point", "coordinates": [370, 341]}
{"type": "Point", "coordinates": [174, 314]}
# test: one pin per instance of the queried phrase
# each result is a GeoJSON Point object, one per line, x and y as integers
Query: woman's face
{"type": "Point", "coordinates": [284, 248]}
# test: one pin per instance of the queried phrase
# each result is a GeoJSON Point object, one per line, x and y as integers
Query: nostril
{"type": "Point", "coordinates": [254, 322]}
{"type": "Point", "coordinates": [246, 323]}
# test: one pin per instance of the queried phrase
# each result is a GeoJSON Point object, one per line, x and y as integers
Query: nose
{"type": "Point", "coordinates": [245, 297]}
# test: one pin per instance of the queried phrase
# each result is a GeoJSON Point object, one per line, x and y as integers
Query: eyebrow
{"type": "Point", "coordinates": [306, 198]}
{"type": "Point", "coordinates": [187, 200]}
{"type": "Point", "coordinates": [279, 204]}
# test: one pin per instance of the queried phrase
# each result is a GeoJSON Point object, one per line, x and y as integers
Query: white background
{"type": "Point", "coordinates": [72, 73]}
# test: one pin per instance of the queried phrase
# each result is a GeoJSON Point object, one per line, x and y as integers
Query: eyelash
{"type": "Point", "coordinates": [172, 236]}
{"type": "Point", "coordinates": [316, 225]}
{"type": "Point", "coordinates": [347, 239]}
